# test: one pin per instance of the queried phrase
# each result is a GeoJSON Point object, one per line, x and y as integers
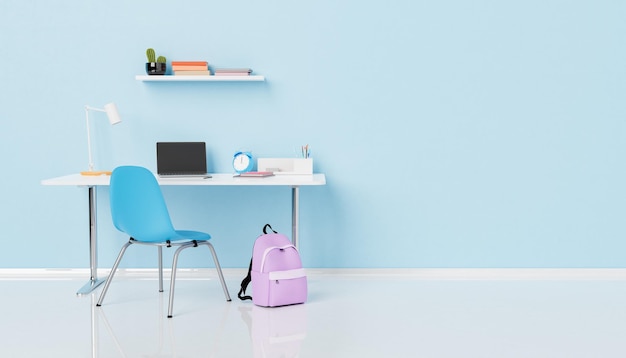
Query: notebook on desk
{"type": "Point", "coordinates": [255, 174]}
{"type": "Point", "coordinates": [181, 159]}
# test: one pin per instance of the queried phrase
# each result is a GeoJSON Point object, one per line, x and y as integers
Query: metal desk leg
{"type": "Point", "coordinates": [295, 202]}
{"type": "Point", "coordinates": [93, 248]}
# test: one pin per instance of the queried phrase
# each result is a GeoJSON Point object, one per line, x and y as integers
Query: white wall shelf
{"type": "Point", "coordinates": [213, 78]}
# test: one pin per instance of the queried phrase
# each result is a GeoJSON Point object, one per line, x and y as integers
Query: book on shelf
{"type": "Point", "coordinates": [232, 74]}
{"type": "Point", "coordinates": [233, 71]}
{"type": "Point", "coordinates": [189, 63]}
{"type": "Point", "coordinates": [189, 68]}
{"type": "Point", "coordinates": [192, 73]}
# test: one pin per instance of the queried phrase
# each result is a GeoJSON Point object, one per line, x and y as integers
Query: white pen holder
{"type": "Point", "coordinates": [285, 166]}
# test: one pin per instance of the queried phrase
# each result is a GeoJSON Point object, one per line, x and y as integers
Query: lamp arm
{"type": "Point", "coordinates": [87, 108]}
{"type": "Point", "coordinates": [114, 118]}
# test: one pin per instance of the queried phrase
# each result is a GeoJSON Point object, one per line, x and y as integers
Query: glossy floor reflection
{"type": "Point", "coordinates": [346, 316]}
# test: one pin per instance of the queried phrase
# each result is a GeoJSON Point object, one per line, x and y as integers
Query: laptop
{"type": "Point", "coordinates": [181, 160]}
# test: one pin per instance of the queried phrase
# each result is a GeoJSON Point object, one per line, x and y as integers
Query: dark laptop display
{"type": "Point", "coordinates": [181, 159]}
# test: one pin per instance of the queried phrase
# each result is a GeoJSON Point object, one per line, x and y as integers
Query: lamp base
{"type": "Point", "coordinates": [96, 173]}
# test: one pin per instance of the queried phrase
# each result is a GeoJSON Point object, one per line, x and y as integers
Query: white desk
{"type": "Point", "coordinates": [91, 182]}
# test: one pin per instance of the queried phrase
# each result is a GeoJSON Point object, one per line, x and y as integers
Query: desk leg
{"type": "Point", "coordinates": [295, 203]}
{"type": "Point", "coordinates": [93, 248]}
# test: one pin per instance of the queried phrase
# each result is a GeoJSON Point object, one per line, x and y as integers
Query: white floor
{"type": "Point", "coordinates": [346, 316]}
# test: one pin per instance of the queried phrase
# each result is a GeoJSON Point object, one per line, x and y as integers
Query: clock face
{"type": "Point", "coordinates": [241, 162]}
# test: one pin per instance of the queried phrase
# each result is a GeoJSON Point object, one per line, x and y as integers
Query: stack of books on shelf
{"type": "Point", "coordinates": [233, 72]}
{"type": "Point", "coordinates": [190, 68]}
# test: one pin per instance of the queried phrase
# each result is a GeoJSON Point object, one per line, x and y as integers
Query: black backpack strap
{"type": "Point", "coordinates": [270, 226]}
{"type": "Point", "coordinates": [244, 285]}
{"type": "Point", "coordinates": [246, 281]}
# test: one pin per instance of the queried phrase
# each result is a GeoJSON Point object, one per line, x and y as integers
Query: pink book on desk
{"type": "Point", "coordinates": [256, 174]}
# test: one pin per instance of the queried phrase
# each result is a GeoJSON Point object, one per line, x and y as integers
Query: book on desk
{"type": "Point", "coordinates": [255, 174]}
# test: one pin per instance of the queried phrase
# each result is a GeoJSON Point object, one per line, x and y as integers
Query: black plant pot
{"type": "Point", "coordinates": [155, 68]}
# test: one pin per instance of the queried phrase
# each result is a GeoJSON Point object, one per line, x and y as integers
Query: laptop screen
{"type": "Point", "coordinates": [181, 158]}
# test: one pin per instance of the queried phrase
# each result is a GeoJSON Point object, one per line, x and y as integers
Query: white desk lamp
{"type": "Point", "coordinates": [114, 118]}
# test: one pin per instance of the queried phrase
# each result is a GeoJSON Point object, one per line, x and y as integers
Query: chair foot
{"type": "Point", "coordinates": [229, 300]}
{"type": "Point", "coordinates": [97, 305]}
{"type": "Point", "coordinates": [168, 316]}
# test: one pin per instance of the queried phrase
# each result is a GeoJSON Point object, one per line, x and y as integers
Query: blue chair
{"type": "Point", "coordinates": [138, 209]}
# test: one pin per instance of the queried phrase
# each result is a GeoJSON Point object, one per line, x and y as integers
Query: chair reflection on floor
{"type": "Point", "coordinates": [166, 344]}
{"type": "Point", "coordinates": [99, 316]}
{"type": "Point", "coordinates": [275, 331]}
{"type": "Point", "coordinates": [96, 317]}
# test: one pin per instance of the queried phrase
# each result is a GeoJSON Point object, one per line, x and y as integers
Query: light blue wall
{"type": "Point", "coordinates": [452, 133]}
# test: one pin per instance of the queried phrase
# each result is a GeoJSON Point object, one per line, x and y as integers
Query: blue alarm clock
{"type": "Point", "coordinates": [242, 162]}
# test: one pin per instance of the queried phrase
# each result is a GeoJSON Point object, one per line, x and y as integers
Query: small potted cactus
{"type": "Point", "coordinates": [155, 65]}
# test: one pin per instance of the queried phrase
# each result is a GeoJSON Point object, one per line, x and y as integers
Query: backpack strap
{"type": "Point", "coordinates": [270, 226]}
{"type": "Point", "coordinates": [244, 285]}
{"type": "Point", "coordinates": [246, 281]}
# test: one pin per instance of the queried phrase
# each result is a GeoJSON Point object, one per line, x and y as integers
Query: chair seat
{"type": "Point", "coordinates": [179, 236]}
{"type": "Point", "coordinates": [193, 235]}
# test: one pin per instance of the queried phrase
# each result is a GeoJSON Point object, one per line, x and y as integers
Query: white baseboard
{"type": "Point", "coordinates": [481, 273]}
{"type": "Point", "coordinates": [412, 273]}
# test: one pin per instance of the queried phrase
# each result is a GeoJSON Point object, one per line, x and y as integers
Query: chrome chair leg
{"type": "Point", "coordinates": [219, 271]}
{"type": "Point", "coordinates": [112, 273]}
{"type": "Point", "coordinates": [170, 307]}
{"type": "Point", "coordinates": [160, 268]}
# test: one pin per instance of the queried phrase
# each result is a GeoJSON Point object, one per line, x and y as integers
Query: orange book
{"type": "Point", "coordinates": [190, 63]}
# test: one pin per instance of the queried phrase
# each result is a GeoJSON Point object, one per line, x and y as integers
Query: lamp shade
{"type": "Point", "coordinates": [112, 113]}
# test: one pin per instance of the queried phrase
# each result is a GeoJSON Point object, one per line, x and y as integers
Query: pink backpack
{"type": "Point", "coordinates": [276, 272]}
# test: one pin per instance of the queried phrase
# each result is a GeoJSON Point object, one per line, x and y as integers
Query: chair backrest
{"type": "Point", "coordinates": [137, 205]}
